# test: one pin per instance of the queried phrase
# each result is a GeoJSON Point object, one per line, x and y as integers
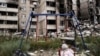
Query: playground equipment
{"type": "Point", "coordinates": [71, 14]}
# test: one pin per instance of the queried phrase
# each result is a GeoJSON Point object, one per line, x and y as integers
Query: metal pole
{"type": "Point", "coordinates": [37, 29]}
{"type": "Point", "coordinates": [56, 26]}
{"type": "Point", "coordinates": [76, 25]}
{"type": "Point", "coordinates": [46, 29]}
{"type": "Point", "coordinates": [29, 27]}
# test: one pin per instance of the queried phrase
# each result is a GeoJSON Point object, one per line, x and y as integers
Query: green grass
{"type": "Point", "coordinates": [93, 44]}
{"type": "Point", "coordinates": [8, 46]}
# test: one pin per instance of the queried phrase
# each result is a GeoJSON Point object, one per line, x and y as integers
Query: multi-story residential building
{"type": "Point", "coordinates": [55, 23]}
{"type": "Point", "coordinates": [48, 23]}
{"type": "Point", "coordinates": [14, 15]}
{"type": "Point", "coordinates": [8, 16]}
{"type": "Point", "coordinates": [26, 7]}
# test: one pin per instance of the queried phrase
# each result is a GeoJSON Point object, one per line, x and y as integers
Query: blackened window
{"type": "Point", "coordinates": [61, 5]}
{"type": "Point", "coordinates": [51, 4]}
{"type": "Point", "coordinates": [98, 19]}
{"type": "Point", "coordinates": [3, 5]}
{"type": "Point", "coordinates": [62, 9]}
{"type": "Point", "coordinates": [12, 5]}
{"type": "Point", "coordinates": [33, 23]}
{"type": "Point", "coordinates": [3, 13]}
{"type": "Point", "coordinates": [12, 14]}
{"type": "Point", "coordinates": [97, 2]}
{"type": "Point", "coordinates": [1, 21]}
{"type": "Point", "coordinates": [32, 9]}
{"type": "Point", "coordinates": [12, 30]}
{"type": "Point", "coordinates": [11, 22]}
{"type": "Point", "coordinates": [52, 30]}
{"type": "Point", "coordinates": [33, 16]}
{"type": "Point", "coordinates": [51, 12]}
{"type": "Point", "coordinates": [51, 22]}
{"type": "Point", "coordinates": [78, 3]}
{"type": "Point", "coordinates": [61, 22]}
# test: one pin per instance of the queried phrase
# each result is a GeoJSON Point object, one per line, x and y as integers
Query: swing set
{"type": "Point", "coordinates": [29, 21]}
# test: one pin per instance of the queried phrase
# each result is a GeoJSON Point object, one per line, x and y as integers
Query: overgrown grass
{"type": "Point", "coordinates": [9, 46]}
{"type": "Point", "coordinates": [45, 45]}
{"type": "Point", "coordinates": [93, 44]}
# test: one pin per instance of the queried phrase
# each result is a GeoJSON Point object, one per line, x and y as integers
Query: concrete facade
{"type": "Point", "coordinates": [14, 14]}
{"type": "Point", "coordinates": [26, 6]}
{"type": "Point", "coordinates": [48, 23]}
{"type": "Point", "coordinates": [8, 16]}
{"type": "Point", "coordinates": [55, 23]}
{"type": "Point", "coordinates": [85, 9]}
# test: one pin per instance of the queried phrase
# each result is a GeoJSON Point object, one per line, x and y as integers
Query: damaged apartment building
{"type": "Point", "coordinates": [8, 16]}
{"type": "Point", "coordinates": [14, 14]}
{"type": "Point", "coordinates": [89, 11]}
{"type": "Point", "coordinates": [55, 24]}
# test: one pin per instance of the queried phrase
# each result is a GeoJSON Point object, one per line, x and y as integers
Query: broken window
{"type": "Point", "coordinates": [51, 30]}
{"type": "Point", "coordinates": [98, 19]}
{"type": "Point", "coordinates": [33, 30]}
{"type": "Point", "coordinates": [33, 23]}
{"type": "Point", "coordinates": [50, 3]}
{"type": "Point", "coordinates": [51, 12]}
{"type": "Point", "coordinates": [12, 30]}
{"type": "Point", "coordinates": [70, 3]}
{"type": "Point", "coordinates": [98, 3]}
{"type": "Point", "coordinates": [11, 22]}
{"type": "Point", "coordinates": [78, 3]}
{"type": "Point", "coordinates": [3, 13]}
{"type": "Point", "coordinates": [1, 21]}
{"type": "Point", "coordinates": [12, 14]}
{"type": "Point", "coordinates": [62, 9]}
{"type": "Point", "coordinates": [51, 22]}
{"type": "Point", "coordinates": [32, 9]}
{"type": "Point", "coordinates": [3, 5]}
{"type": "Point", "coordinates": [62, 23]}
{"type": "Point", "coordinates": [10, 5]}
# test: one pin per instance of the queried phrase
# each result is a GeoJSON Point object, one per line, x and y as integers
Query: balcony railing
{"type": "Point", "coordinates": [50, 8]}
{"type": "Point", "coordinates": [51, 26]}
{"type": "Point", "coordinates": [9, 9]}
{"type": "Point", "coordinates": [51, 17]}
{"type": "Point", "coordinates": [10, 26]}
{"type": "Point", "coordinates": [12, 1]}
{"type": "Point", "coordinates": [12, 18]}
{"type": "Point", "coordinates": [12, 9]}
